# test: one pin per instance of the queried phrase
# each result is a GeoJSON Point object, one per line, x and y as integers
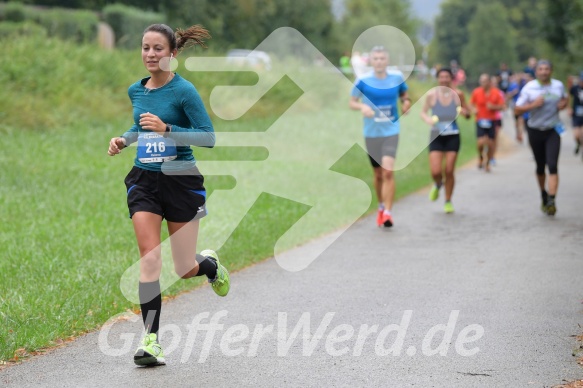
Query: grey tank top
{"type": "Point", "coordinates": [447, 114]}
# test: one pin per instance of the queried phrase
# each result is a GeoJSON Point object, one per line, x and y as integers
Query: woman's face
{"type": "Point", "coordinates": [155, 46]}
{"type": "Point", "coordinates": [444, 78]}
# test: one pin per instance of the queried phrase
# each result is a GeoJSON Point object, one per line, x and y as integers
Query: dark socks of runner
{"type": "Point", "coordinates": [551, 199]}
{"type": "Point", "coordinates": [545, 196]}
{"type": "Point", "coordinates": [206, 266]}
{"type": "Point", "coordinates": [151, 304]}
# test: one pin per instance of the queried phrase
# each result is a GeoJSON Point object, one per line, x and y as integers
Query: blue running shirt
{"type": "Point", "coordinates": [382, 96]}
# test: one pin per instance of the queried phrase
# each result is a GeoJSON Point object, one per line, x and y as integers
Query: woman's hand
{"type": "Point", "coordinates": [152, 122]}
{"type": "Point", "coordinates": [116, 144]}
{"type": "Point", "coordinates": [430, 120]}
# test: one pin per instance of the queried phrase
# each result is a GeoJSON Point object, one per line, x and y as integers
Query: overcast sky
{"type": "Point", "coordinates": [424, 9]}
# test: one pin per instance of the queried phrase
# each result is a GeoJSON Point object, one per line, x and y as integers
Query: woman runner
{"type": "Point", "coordinates": [445, 103]}
{"type": "Point", "coordinates": [165, 183]}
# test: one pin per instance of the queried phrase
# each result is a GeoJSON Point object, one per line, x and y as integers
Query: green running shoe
{"type": "Point", "coordinates": [221, 283]}
{"type": "Point", "coordinates": [448, 207]}
{"type": "Point", "coordinates": [551, 207]}
{"type": "Point", "coordinates": [149, 353]}
{"type": "Point", "coordinates": [434, 193]}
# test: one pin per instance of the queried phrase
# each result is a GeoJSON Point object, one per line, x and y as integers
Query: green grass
{"type": "Point", "coordinates": [66, 239]}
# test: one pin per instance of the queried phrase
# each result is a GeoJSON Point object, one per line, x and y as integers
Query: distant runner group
{"type": "Point", "coordinates": [534, 98]}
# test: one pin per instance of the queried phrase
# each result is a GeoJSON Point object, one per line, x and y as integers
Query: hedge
{"type": "Point", "coordinates": [129, 23]}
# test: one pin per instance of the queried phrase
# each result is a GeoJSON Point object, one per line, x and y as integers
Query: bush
{"type": "Point", "coordinates": [76, 25]}
{"type": "Point", "coordinates": [9, 29]}
{"type": "Point", "coordinates": [12, 12]}
{"type": "Point", "coordinates": [48, 83]}
{"type": "Point", "coordinates": [128, 23]}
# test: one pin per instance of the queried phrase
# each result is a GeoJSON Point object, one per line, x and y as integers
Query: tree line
{"type": "Point", "coordinates": [245, 23]}
{"type": "Point", "coordinates": [480, 35]}
{"type": "Point", "coordinates": [477, 34]}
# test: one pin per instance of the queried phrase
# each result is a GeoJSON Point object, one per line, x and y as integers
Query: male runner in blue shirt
{"type": "Point", "coordinates": [376, 95]}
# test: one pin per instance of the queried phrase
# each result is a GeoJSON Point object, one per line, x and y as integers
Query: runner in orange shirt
{"type": "Point", "coordinates": [485, 102]}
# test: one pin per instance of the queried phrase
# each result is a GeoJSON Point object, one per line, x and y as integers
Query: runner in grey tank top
{"type": "Point", "coordinates": [444, 143]}
{"type": "Point", "coordinates": [446, 114]}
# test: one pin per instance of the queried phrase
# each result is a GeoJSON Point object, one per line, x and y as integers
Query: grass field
{"type": "Point", "coordinates": [65, 236]}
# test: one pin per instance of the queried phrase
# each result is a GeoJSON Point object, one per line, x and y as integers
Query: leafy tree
{"type": "Point", "coordinates": [527, 17]}
{"type": "Point", "coordinates": [451, 34]}
{"type": "Point", "coordinates": [97, 5]}
{"type": "Point", "coordinates": [563, 34]}
{"type": "Point", "coordinates": [364, 14]}
{"type": "Point", "coordinates": [575, 33]}
{"type": "Point", "coordinates": [246, 23]}
{"type": "Point", "coordinates": [313, 19]}
{"type": "Point", "coordinates": [490, 40]}
{"type": "Point", "coordinates": [559, 16]}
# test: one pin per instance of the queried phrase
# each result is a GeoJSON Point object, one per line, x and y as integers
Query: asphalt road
{"type": "Point", "coordinates": [487, 297]}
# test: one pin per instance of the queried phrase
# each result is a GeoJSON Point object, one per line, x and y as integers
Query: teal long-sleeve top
{"type": "Point", "coordinates": [177, 103]}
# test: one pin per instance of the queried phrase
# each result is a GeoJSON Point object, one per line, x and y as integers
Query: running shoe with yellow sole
{"type": "Point", "coordinates": [149, 353]}
{"type": "Point", "coordinates": [221, 283]}
{"type": "Point", "coordinates": [434, 193]}
{"type": "Point", "coordinates": [448, 207]}
{"type": "Point", "coordinates": [551, 208]}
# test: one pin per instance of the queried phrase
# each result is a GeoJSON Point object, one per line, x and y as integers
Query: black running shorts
{"type": "Point", "coordinates": [444, 143]}
{"type": "Point", "coordinates": [177, 198]}
{"type": "Point", "coordinates": [481, 131]}
{"type": "Point", "coordinates": [577, 121]}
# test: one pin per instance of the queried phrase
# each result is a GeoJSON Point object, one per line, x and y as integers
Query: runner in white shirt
{"type": "Point", "coordinates": [543, 98]}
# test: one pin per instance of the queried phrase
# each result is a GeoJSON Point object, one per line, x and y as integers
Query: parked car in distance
{"type": "Point", "coordinates": [253, 58]}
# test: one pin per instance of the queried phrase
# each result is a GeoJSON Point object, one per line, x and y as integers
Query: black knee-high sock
{"type": "Point", "coordinates": [151, 303]}
{"type": "Point", "coordinates": [206, 266]}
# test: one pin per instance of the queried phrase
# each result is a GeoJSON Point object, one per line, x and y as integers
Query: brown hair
{"type": "Point", "coordinates": [446, 69]}
{"type": "Point", "coordinates": [180, 39]}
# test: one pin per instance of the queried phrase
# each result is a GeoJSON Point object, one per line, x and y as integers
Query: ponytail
{"type": "Point", "coordinates": [194, 35]}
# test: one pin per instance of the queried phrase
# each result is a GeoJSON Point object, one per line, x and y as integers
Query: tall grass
{"type": "Point", "coordinates": [65, 238]}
